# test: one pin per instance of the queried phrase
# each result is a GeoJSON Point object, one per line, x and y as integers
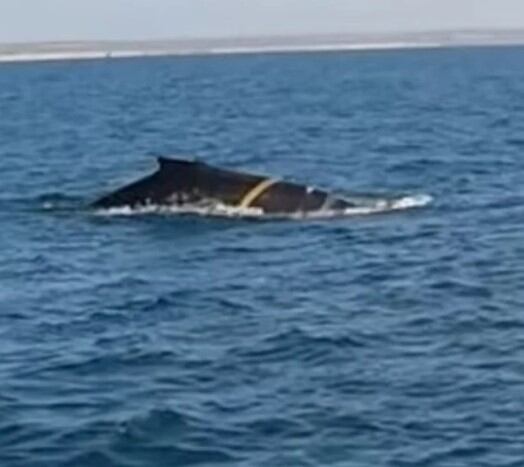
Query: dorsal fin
{"type": "Point", "coordinates": [166, 162]}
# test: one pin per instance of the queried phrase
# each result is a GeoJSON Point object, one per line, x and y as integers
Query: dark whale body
{"type": "Point", "coordinates": [182, 182]}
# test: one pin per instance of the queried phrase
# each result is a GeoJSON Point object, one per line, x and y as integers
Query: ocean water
{"type": "Point", "coordinates": [159, 339]}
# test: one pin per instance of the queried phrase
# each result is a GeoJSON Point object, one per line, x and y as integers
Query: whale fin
{"type": "Point", "coordinates": [166, 162]}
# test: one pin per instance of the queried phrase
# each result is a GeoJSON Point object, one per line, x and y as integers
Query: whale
{"type": "Point", "coordinates": [181, 182]}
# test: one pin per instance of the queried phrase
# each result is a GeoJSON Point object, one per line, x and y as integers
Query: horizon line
{"type": "Point", "coordinates": [96, 50]}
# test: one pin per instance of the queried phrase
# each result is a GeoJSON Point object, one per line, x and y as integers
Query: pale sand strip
{"type": "Point", "coordinates": [47, 51]}
{"type": "Point", "coordinates": [103, 54]}
{"type": "Point", "coordinates": [80, 55]}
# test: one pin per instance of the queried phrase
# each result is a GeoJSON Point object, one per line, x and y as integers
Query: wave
{"type": "Point", "coordinates": [363, 206]}
{"type": "Point", "coordinates": [46, 201]}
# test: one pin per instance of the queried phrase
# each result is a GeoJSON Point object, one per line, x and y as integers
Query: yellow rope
{"type": "Point", "coordinates": [256, 191]}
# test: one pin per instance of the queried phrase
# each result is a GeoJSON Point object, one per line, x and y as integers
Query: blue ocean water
{"type": "Point", "coordinates": [162, 340]}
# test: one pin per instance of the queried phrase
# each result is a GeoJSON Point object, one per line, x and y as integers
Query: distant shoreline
{"type": "Point", "coordinates": [95, 50]}
{"type": "Point", "coordinates": [116, 54]}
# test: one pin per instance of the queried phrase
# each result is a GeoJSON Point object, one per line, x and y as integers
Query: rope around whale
{"type": "Point", "coordinates": [256, 191]}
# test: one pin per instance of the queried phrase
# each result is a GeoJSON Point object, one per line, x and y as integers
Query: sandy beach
{"type": "Point", "coordinates": [80, 50]}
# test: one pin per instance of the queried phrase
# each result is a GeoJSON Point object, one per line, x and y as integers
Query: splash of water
{"type": "Point", "coordinates": [223, 210]}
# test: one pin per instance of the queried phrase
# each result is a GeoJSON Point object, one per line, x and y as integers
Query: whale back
{"type": "Point", "coordinates": [187, 179]}
{"type": "Point", "coordinates": [180, 181]}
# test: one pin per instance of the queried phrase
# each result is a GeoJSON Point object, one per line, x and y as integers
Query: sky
{"type": "Point", "coordinates": [45, 20]}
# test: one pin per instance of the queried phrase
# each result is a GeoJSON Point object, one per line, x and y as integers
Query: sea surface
{"type": "Point", "coordinates": [161, 339]}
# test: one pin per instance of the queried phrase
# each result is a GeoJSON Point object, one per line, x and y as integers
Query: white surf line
{"type": "Point", "coordinates": [219, 50]}
{"type": "Point", "coordinates": [80, 55]}
{"type": "Point", "coordinates": [223, 210]}
{"type": "Point", "coordinates": [324, 47]}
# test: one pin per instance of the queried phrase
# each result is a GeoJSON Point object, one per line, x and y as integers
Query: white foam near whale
{"type": "Point", "coordinates": [218, 209]}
